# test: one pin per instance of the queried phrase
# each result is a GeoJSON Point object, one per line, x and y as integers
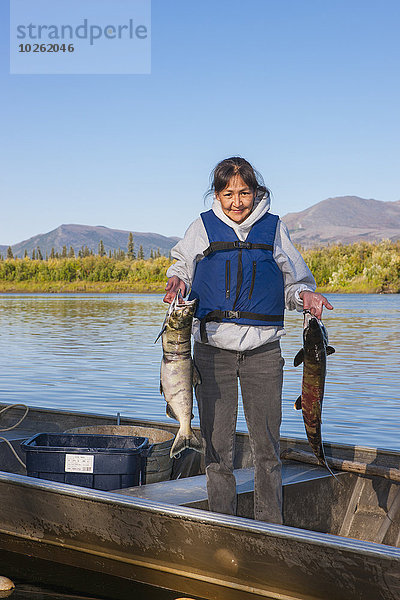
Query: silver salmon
{"type": "Point", "coordinates": [178, 374]}
{"type": "Point", "coordinates": [313, 356]}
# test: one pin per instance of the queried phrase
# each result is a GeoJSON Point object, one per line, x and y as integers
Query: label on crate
{"type": "Point", "coordinates": [79, 463]}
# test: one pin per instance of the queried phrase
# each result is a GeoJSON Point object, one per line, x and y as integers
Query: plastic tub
{"type": "Point", "coordinates": [158, 463]}
{"type": "Point", "coordinates": [102, 462]}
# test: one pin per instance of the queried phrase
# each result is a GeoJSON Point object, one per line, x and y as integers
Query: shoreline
{"type": "Point", "coordinates": [126, 287]}
{"type": "Point", "coordinates": [80, 287]}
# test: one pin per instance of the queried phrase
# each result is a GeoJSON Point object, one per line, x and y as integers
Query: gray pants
{"type": "Point", "coordinates": [260, 373]}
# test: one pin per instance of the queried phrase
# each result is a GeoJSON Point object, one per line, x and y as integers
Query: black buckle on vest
{"type": "Point", "coordinates": [240, 245]}
{"type": "Point", "coordinates": [232, 314]}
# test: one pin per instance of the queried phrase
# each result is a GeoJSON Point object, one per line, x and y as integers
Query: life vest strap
{"type": "Point", "coordinates": [219, 315]}
{"type": "Point", "coordinates": [237, 245]}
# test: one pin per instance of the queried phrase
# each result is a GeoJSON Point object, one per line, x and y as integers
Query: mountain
{"type": "Point", "coordinates": [85, 235]}
{"type": "Point", "coordinates": [344, 219]}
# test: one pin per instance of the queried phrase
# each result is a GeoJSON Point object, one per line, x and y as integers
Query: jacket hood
{"type": "Point", "coordinates": [261, 206]}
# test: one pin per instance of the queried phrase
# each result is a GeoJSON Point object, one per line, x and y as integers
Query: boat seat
{"type": "Point", "coordinates": [192, 491]}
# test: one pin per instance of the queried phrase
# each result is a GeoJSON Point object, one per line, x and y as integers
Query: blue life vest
{"type": "Point", "coordinates": [238, 282]}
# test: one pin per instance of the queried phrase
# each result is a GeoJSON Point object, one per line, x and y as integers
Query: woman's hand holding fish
{"type": "Point", "coordinates": [173, 285]}
{"type": "Point", "coordinates": [314, 302]}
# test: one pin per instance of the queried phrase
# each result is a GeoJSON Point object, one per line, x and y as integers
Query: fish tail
{"type": "Point", "coordinates": [186, 440]}
{"type": "Point", "coordinates": [323, 463]}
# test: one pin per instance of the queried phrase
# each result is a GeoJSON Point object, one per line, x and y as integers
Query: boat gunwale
{"type": "Point", "coordinates": [126, 420]}
{"type": "Point", "coordinates": [338, 445]}
{"type": "Point", "coordinates": [198, 515]}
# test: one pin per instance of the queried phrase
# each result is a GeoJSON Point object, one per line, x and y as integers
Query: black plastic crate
{"type": "Point", "coordinates": [102, 462]}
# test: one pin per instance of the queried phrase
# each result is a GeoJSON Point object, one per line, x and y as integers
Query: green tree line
{"type": "Point", "coordinates": [84, 251]}
{"type": "Point", "coordinates": [360, 267]}
{"type": "Point", "coordinates": [89, 268]}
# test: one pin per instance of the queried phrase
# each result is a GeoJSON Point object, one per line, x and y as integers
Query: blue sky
{"type": "Point", "coordinates": [306, 90]}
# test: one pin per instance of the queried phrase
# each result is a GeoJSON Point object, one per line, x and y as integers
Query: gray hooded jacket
{"type": "Point", "coordinates": [296, 275]}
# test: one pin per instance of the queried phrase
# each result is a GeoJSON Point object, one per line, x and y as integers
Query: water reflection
{"type": "Point", "coordinates": [96, 353]}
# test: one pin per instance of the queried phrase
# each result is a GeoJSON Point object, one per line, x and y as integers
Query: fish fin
{"type": "Point", "coordinates": [183, 441]}
{"type": "Point", "coordinates": [297, 404]}
{"type": "Point", "coordinates": [161, 388]}
{"type": "Point", "coordinates": [170, 413]}
{"type": "Point", "coordinates": [330, 350]}
{"type": "Point", "coordinates": [163, 328]}
{"type": "Point", "coordinates": [169, 312]}
{"type": "Point", "coordinates": [299, 358]}
{"type": "Point", "coordinates": [196, 379]}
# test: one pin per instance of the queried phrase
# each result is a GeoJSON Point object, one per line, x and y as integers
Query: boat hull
{"type": "Point", "coordinates": [113, 544]}
{"type": "Point", "coordinates": [188, 550]}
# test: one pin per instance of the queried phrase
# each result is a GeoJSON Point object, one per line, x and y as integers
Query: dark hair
{"type": "Point", "coordinates": [236, 165]}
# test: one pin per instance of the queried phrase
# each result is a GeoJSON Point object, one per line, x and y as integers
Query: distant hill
{"type": "Point", "coordinates": [345, 219]}
{"type": "Point", "coordinates": [85, 235]}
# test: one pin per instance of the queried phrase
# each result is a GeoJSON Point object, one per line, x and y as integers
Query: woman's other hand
{"type": "Point", "coordinates": [314, 302]}
{"type": "Point", "coordinates": [173, 285]}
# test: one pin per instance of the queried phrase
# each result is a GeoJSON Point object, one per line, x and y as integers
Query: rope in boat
{"type": "Point", "coordinates": [3, 410]}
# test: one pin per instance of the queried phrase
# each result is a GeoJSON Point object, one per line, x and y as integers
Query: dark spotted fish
{"type": "Point", "coordinates": [178, 374]}
{"type": "Point", "coordinates": [313, 356]}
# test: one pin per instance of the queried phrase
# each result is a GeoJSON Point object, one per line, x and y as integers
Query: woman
{"type": "Point", "coordinates": [238, 261]}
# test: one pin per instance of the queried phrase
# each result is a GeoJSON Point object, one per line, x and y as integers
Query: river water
{"type": "Point", "coordinates": [96, 353]}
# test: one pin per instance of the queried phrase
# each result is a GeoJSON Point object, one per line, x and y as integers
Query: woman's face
{"type": "Point", "coordinates": [236, 199]}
